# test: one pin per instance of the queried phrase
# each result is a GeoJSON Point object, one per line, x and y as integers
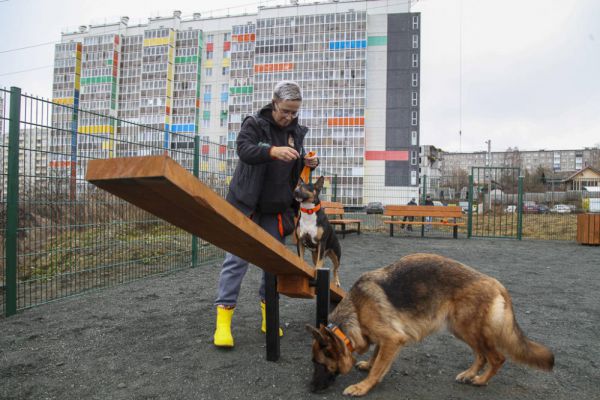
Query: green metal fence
{"type": "Point", "coordinates": [495, 202]}
{"type": "Point", "coordinates": [62, 236]}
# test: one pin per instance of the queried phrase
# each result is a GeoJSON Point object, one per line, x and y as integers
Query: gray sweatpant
{"type": "Point", "coordinates": [234, 268]}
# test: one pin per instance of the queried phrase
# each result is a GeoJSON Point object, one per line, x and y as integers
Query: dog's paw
{"type": "Point", "coordinates": [360, 389]}
{"type": "Point", "coordinates": [363, 366]}
{"type": "Point", "coordinates": [464, 377]}
{"type": "Point", "coordinates": [479, 381]}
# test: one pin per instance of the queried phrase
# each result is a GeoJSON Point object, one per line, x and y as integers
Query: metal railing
{"type": "Point", "coordinates": [61, 236]}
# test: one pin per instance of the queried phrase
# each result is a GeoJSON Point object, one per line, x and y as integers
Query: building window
{"type": "Point", "coordinates": [227, 37]}
{"type": "Point", "coordinates": [414, 99]}
{"type": "Point", "coordinates": [210, 38]}
{"type": "Point", "coordinates": [415, 41]}
{"type": "Point", "coordinates": [208, 72]}
{"type": "Point", "coordinates": [226, 53]}
{"type": "Point", "coordinates": [415, 22]}
{"type": "Point", "coordinates": [414, 138]}
{"type": "Point", "coordinates": [414, 79]}
{"type": "Point", "coordinates": [209, 55]}
{"type": "Point", "coordinates": [206, 123]}
{"type": "Point", "coordinates": [415, 60]}
{"type": "Point", "coordinates": [207, 88]}
{"type": "Point", "coordinates": [225, 70]}
{"type": "Point", "coordinates": [556, 163]}
{"type": "Point", "coordinates": [413, 177]}
{"type": "Point", "coordinates": [414, 118]}
{"type": "Point", "coordinates": [413, 158]}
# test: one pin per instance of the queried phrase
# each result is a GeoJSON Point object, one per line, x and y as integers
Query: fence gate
{"type": "Point", "coordinates": [495, 202]}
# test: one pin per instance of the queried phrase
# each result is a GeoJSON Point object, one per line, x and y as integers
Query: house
{"type": "Point", "coordinates": [588, 176]}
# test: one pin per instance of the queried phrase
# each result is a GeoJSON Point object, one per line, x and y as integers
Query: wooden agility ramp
{"type": "Point", "coordinates": [164, 188]}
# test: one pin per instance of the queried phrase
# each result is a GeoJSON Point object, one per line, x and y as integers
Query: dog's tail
{"type": "Point", "coordinates": [517, 345]}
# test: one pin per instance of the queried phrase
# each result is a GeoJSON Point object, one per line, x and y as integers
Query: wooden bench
{"type": "Point", "coordinates": [440, 215]}
{"type": "Point", "coordinates": [335, 215]}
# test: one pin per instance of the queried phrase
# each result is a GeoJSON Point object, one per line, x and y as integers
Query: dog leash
{"type": "Point", "coordinates": [305, 174]}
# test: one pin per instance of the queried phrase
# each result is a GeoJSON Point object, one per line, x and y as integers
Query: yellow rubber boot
{"type": "Point", "coordinates": [223, 337]}
{"type": "Point", "coordinates": [263, 328]}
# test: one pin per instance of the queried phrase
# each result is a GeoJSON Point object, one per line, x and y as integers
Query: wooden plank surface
{"type": "Point", "coordinates": [588, 229]}
{"type": "Point", "coordinates": [164, 188]}
{"type": "Point", "coordinates": [424, 211]}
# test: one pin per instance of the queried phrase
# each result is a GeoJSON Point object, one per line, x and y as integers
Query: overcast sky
{"type": "Point", "coordinates": [530, 68]}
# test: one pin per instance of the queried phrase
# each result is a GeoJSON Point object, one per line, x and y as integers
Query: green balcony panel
{"type": "Point", "coordinates": [377, 41]}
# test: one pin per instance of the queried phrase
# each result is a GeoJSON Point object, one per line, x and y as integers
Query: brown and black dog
{"type": "Point", "coordinates": [410, 299]}
{"type": "Point", "coordinates": [313, 230]}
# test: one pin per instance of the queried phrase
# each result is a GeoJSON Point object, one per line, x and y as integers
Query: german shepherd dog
{"type": "Point", "coordinates": [313, 229]}
{"type": "Point", "coordinates": [410, 299]}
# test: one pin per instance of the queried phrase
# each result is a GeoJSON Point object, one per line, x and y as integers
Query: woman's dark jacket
{"type": "Point", "coordinates": [259, 182]}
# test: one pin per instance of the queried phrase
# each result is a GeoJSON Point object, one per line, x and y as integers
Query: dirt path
{"type": "Point", "coordinates": [151, 339]}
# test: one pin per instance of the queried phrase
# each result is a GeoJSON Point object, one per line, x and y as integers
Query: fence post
{"type": "Point", "coordinates": [470, 216]}
{"type": "Point", "coordinates": [196, 174]}
{"type": "Point", "coordinates": [12, 208]}
{"type": "Point", "coordinates": [424, 194]}
{"type": "Point", "coordinates": [520, 210]}
{"type": "Point", "coordinates": [73, 165]}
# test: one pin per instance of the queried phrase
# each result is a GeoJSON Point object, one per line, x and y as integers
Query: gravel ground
{"type": "Point", "coordinates": [151, 339]}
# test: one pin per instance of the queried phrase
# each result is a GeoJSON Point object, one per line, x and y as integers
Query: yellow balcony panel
{"type": "Point", "coordinates": [64, 100]}
{"type": "Point", "coordinates": [156, 41]}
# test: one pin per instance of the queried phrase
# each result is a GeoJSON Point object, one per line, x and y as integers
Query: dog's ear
{"type": "Point", "coordinates": [338, 345]}
{"type": "Point", "coordinates": [319, 184]}
{"type": "Point", "coordinates": [317, 335]}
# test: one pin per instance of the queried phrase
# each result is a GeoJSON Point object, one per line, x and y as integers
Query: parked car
{"type": "Point", "coordinates": [543, 209]}
{"type": "Point", "coordinates": [438, 203]}
{"type": "Point", "coordinates": [510, 209]}
{"type": "Point", "coordinates": [374, 208]}
{"type": "Point", "coordinates": [464, 205]}
{"type": "Point", "coordinates": [561, 209]}
{"type": "Point", "coordinates": [531, 208]}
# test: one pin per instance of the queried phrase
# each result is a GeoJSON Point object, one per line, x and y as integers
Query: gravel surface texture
{"type": "Point", "coordinates": [152, 339]}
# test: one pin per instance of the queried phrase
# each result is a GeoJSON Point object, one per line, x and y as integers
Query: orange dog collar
{"type": "Point", "coordinates": [338, 332]}
{"type": "Point", "coordinates": [310, 211]}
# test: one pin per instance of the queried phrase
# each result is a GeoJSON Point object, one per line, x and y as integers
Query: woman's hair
{"type": "Point", "coordinates": [287, 90]}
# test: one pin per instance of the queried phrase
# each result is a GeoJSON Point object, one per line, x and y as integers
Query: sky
{"type": "Point", "coordinates": [519, 73]}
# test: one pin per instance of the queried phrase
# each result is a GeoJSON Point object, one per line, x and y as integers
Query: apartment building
{"type": "Point", "coordinates": [358, 63]}
{"type": "Point", "coordinates": [556, 161]}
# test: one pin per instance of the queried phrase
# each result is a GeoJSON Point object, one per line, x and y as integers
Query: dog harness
{"type": "Point", "coordinates": [311, 211]}
{"type": "Point", "coordinates": [338, 332]}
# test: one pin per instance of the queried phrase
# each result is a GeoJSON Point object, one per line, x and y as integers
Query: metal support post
{"type": "Point", "coordinates": [322, 291]}
{"type": "Point", "coordinates": [12, 208]}
{"type": "Point", "coordinates": [196, 174]}
{"type": "Point", "coordinates": [272, 311]}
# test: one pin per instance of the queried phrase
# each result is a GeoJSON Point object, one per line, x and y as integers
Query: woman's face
{"type": "Point", "coordinates": [284, 111]}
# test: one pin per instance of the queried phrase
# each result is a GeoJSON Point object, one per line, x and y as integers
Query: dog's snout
{"type": "Point", "coordinates": [322, 378]}
{"type": "Point", "coordinates": [300, 194]}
